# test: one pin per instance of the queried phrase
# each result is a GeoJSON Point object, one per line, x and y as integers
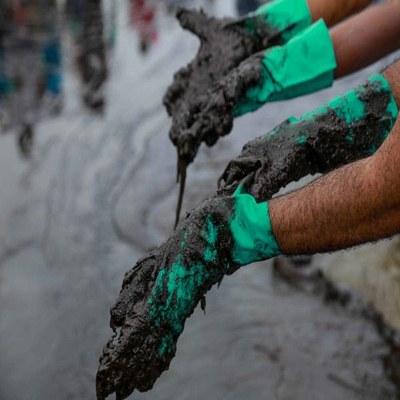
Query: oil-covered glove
{"type": "Point", "coordinates": [304, 65]}
{"type": "Point", "coordinates": [163, 289]}
{"type": "Point", "coordinates": [201, 85]}
{"type": "Point", "coordinates": [224, 43]}
{"type": "Point", "coordinates": [281, 72]}
{"type": "Point", "coordinates": [346, 129]}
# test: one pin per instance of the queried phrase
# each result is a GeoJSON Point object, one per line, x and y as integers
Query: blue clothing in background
{"type": "Point", "coordinates": [6, 84]}
{"type": "Point", "coordinates": [246, 6]}
{"type": "Point", "coordinates": [52, 61]}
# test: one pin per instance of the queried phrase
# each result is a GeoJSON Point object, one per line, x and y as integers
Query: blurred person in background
{"type": "Point", "coordinates": [143, 18]}
{"type": "Point", "coordinates": [86, 25]}
{"type": "Point", "coordinates": [92, 56]}
{"type": "Point", "coordinates": [110, 22]}
{"type": "Point", "coordinates": [6, 85]}
{"type": "Point", "coordinates": [31, 70]}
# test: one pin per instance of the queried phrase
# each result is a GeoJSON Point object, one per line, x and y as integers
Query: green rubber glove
{"type": "Point", "coordinates": [284, 17]}
{"type": "Point", "coordinates": [356, 105]}
{"type": "Point", "coordinates": [348, 128]}
{"type": "Point", "coordinates": [304, 65]}
{"type": "Point", "coordinates": [200, 99]}
{"type": "Point", "coordinates": [251, 230]}
{"type": "Point", "coordinates": [163, 289]}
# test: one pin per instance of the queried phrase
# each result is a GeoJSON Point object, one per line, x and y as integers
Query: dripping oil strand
{"type": "Point", "coordinates": [181, 175]}
{"type": "Point", "coordinates": [182, 166]}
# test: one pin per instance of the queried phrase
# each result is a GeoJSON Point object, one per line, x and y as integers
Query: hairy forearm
{"type": "Point", "coordinates": [352, 205]}
{"type": "Point", "coordinates": [355, 204]}
{"type": "Point", "coordinates": [366, 37]}
{"type": "Point", "coordinates": [335, 11]}
{"type": "Point", "coordinates": [343, 209]}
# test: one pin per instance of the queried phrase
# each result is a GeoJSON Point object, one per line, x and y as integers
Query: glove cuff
{"type": "Point", "coordinates": [304, 65]}
{"type": "Point", "coordinates": [289, 17]}
{"type": "Point", "coordinates": [252, 231]}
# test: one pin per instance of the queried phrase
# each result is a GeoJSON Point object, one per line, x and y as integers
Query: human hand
{"type": "Point", "coordinates": [349, 127]}
{"type": "Point", "coordinates": [163, 289]}
{"type": "Point", "coordinates": [278, 73]}
{"type": "Point", "coordinates": [224, 44]}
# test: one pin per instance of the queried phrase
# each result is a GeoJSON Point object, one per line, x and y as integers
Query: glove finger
{"type": "Point", "coordinates": [135, 286]}
{"type": "Point", "coordinates": [194, 21]}
{"type": "Point", "coordinates": [236, 171]}
{"type": "Point", "coordinates": [177, 89]}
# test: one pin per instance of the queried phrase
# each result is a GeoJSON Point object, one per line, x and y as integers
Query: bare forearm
{"type": "Point", "coordinates": [366, 37]}
{"type": "Point", "coordinates": [352, 205]}
{"type": "Point", "coordinates": [335, 11]}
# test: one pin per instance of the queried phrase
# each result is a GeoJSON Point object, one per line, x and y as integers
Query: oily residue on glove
{"type": "Point", "coordinates": [320, 141]}
{"type": "Point", "coordinates": [199, 100]}
{"type": "Point", "coordinates": [159, 294]}
{"type": "Point", "coordinates": [145, 330]}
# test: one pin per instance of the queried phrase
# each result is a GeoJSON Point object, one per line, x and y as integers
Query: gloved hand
{"type": "Point", "coordinates": [346, 129]}
{"type": "Point", "coordinates": [281, 72]}
{"type": "Point", "coordinates": [304, 65]}
{"type": "Point", "coordinates": [224, 44]}
{"type": "Point", "coordinates": [163, 289]}
{"type": "Point", "coordinates": [279, 20]}
{"type": "Point", "coordinates": [235, 39]}
{"type": "Point", "coordinates": [197, 100]}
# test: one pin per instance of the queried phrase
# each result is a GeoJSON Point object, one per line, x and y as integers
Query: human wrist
{"type": "Point", "coordinates": [251, 230]}
{"type": "Point", "coordinates": [289, 17]}
{"type": "Point", "coordinates": [392, 77]}
{"type": "Point", "coordinates": [359, 119]}
{"type": "Point", "coordinates": [348, 128]}
{"type": "Point", "coordinates": [299, 73]}
{"type": "Point", "coordinates": [333, 12]}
